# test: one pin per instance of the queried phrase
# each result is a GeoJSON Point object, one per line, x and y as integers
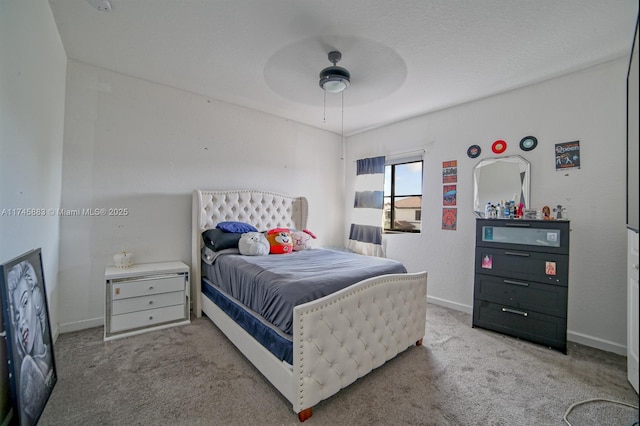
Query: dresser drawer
{"type": "Point", "coordinates": [523, 265]}
{"type": "Point", "coordinates": [533, 326]}
{"type": "Point", "coordinates": [131, 304]}
{"type": "Point", "coordinates": [526, 295]}
{"type": "Point", "coordinates": [509, 234]}
{"type": "Point", "coordinates": [147, 286]}
{"type": "Point", "coordinates": [147, 318]}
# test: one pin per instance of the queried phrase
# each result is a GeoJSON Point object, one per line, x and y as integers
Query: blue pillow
{"type": "Point", "coordinates": [236, 227]}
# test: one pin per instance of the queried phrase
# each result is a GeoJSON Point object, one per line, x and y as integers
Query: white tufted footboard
{"type": "Point", "coordinates": [343, 336]}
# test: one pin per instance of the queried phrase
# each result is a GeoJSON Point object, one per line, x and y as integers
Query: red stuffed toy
{"type": "Point", "coordinates": [280, 241]}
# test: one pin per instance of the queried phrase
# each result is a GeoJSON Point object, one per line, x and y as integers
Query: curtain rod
{"type": "Point", "coordinates": [404, 153]}
{"type": "Point", "coordinates": [407, 153]}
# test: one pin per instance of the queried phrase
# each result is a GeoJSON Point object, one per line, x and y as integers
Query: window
{"type": "Point", "coordinates": [403, 196]}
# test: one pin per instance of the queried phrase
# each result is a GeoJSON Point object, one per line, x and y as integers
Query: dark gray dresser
{"type": "Point", "coordinates": [521, 279]}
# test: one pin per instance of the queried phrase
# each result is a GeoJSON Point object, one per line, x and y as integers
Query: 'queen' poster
{"type": "Point", "coordinates": [568, 155]}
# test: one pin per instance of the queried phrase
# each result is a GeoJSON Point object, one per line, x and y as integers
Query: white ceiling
{"type": "Point", "coordinates": [406, 57]}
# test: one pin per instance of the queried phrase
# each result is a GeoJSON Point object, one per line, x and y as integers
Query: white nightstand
{"type": "Point", "coordinates": [145, 297]}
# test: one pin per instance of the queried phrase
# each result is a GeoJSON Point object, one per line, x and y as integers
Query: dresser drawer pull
{"type": "Point", "coordinates": [151, 302]}
{"type": "Point", "coordinates": [513, 311]}
{"type": "Point", "coordinates": [514, 253]}
{"type": "Point", "coordinates": [150, 317]}
{"type": "Point", "coordinates": [149, 278]}
{"type": "Point", "coordinates": [516, 283]}
{"type": "Point", "coordinates": [150, 287]}
{"type": "Point", "coordinates": [518, 225]}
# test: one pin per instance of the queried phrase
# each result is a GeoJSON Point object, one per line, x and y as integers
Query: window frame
{"type": "Point", "coordinates": [392, 196]}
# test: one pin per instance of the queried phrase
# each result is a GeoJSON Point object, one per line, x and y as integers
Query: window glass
{"type": "Point", "coordinates": [403, 196]}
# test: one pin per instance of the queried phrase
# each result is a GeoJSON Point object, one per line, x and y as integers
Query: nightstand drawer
{"type": "Point", "coordinates": [123, 306]}
{"type": "Point", "coordinates": [528, 295]}
{"type": "Point", "coordinates": [147, 286]}
{"type": "Point", "coordinates": [535, 327]}
{"type": "Point", "coordinates": [147, 318]}
{"type": "Point", "coordinates": [531, 266]}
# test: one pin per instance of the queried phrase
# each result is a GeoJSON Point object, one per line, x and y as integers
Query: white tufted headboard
{"type": "Point", "coordinates": [264, 210]}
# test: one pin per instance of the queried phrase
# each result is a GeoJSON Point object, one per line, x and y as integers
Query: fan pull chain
{"type": "Point", "coordinates": [342, 125]}
{"type": "Point", "coordinates": [342, 117]}
{"type": "Point", "coordinates": [324, 112]}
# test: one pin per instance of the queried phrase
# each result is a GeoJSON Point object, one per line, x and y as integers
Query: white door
{"type": "Point", "coordinates": [632, 309]}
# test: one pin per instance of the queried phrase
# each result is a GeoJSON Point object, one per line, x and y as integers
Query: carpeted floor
{"type": "Point", "coordinates": [192, 375]}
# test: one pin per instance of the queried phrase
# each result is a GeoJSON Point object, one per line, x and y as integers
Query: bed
{"type": "Point", "coordinates": [335, 339]}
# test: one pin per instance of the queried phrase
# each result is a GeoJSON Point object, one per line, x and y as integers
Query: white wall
{"type": "Point", "coordinates": [588, 106]}
{"type": "Point", "coordinates": [32, 93]}
{"type": "Point", "coordinates": [137, 145]}
{"type": "Point", "coordinates": [145, 147]}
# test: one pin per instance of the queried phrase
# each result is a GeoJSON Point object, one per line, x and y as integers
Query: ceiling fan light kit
{"type": "Point", "coordinates": [334, 79]}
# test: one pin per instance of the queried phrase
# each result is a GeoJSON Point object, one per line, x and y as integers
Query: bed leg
{"type": "Point", "coordinates": [419, 342]}
{"type": "Point", "coordinates": [304, 414]}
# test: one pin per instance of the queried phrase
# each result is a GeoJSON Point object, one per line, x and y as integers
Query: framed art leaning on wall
{"type": "Point", "coordinates": [27, 333]}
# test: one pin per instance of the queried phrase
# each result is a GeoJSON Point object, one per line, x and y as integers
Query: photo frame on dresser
{"type": "Point", "coordinates": [27, 338]}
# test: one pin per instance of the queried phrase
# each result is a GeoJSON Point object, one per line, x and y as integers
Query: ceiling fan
{"type": "Point", "coordinates": [334, 79]}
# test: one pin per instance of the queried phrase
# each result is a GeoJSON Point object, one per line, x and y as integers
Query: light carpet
{"type": "Point", "coordinates": [192, 375]}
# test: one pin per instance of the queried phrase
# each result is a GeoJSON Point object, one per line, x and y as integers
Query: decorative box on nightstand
{"type": "Point", "coordinates": [145, 297]}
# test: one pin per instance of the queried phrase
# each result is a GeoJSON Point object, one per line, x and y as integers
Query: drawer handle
{"type": "Point", "coordinates": [518, 225]}
{"type": "Point", "coordinates": [513, 311]}
{"type": "Point", "coordinates": [150, 287]}
{"type": "Point", "coordinates": [151, 302]}
{"type": "Point", "coordinates": [150, 317]}
{"type": "Point", "coordinates": [516, 283]}
{"type": "Point", "coordinates": [514, 253]}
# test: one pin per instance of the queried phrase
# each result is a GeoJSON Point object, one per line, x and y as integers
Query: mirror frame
{"type": "Point", "coordinates": [524, 176]}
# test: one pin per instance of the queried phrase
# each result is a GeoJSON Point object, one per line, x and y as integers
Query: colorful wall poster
{"type": "Point", "coordinates": [450, 171]}
{"type": "Point", "coordinates": [449, 195]}
{"type": "Point", "coordinates": [568, 155]}
{"type": "Point", "coordinates": [449, 219]}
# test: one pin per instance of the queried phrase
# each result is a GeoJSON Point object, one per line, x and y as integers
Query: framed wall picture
{"type": "Point", "coordinates": [6, 408]}
{"type": "Point", "coordinates": [29, 345]}
{"type": "Point", "coordinates": [568, 155]}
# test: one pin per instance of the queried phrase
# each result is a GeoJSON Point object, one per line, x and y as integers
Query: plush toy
{"type": "Point", "coordinates": [280, 241]}
{"type": "Point", "coordinates": [253, 244]}
{"type": "Point", "coordinates": [302, 239]}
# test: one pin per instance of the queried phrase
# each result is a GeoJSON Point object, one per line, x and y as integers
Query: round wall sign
{"type": "Point", "coordinates": [499, 146]}
{"type": "Point", "coordinates": [474, 151]}
{"type": "Point", "coordinates": [528, 143]}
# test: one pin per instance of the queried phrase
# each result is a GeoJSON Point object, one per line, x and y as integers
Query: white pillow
{"type": "Point", "coordinates": [253, 244]}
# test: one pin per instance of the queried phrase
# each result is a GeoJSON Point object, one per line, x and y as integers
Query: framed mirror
{"type": "Point", "coordinates": [503, 178]}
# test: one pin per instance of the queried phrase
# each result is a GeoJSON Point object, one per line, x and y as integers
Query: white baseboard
{"type": "Point", "coordinates": [594, 342]}
{"type": "Point", "coordinates": [449, 304]}
{"type": "Point", "coordinates": [81, 325]}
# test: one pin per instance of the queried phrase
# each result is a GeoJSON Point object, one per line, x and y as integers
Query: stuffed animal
{"type": "Point", "coordinates": [302, 239]}
{"type": "Point", "coordinates": [253, 244]}
{"type": "Point", "coordinates": [280, 241]}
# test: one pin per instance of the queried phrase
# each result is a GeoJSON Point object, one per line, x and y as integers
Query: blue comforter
{"type": "Point", "coordinates": [272, 285]}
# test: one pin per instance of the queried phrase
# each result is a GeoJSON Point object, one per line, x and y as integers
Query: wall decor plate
{"type": "Point", "coordinates": [499, 146]}
{"type": "Point", "coordinates": [528, 143]}
{"type": "Point", "coordinates": [474, 151]}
